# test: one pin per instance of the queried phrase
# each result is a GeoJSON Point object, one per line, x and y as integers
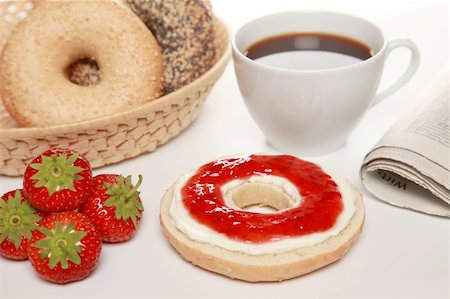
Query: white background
{"type": "Point", "coordinates": [401, 254]}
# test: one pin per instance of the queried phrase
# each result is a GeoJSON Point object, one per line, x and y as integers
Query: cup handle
{"type": "Point", "coordinates": [407, 74]}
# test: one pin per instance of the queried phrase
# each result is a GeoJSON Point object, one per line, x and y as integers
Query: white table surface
{"type": "Point", "coordinates": [401, 254]}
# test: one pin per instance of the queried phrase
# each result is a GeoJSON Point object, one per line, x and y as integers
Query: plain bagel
{"type": "Point", "coordinates": [34, 84]}
{"type": "Point", "coordinates": [266, 261]}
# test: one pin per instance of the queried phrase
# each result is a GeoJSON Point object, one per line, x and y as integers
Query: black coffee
{"type": "Point", "coordinates": [309, 42]}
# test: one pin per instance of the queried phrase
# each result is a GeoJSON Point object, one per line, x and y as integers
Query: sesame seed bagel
{"type": "Point", "coordinates": [185, 31]}
{"type": "Point", "coordinates": [274, 260]}
{"type": "Point", "coordinates": [35, 85]}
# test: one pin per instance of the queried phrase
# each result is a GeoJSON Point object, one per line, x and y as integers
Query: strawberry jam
{"type": "Point", "coordinates": [318, 211]}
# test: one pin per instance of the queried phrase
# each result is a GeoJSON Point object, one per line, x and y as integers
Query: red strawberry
{"type": "Point", "coordinates": [65, 247]}
{"type": "Point", "coordinates": [114, 206]}
{"type": "Point", "coordinates": [58, 180]}
{"type": "Point", "coordinates": [17, 221]}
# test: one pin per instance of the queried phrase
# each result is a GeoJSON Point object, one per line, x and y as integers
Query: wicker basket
{"type": "Point", "coordinates": [109, 139]}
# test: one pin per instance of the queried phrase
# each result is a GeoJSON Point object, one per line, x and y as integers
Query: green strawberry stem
{"type": "Point", "coordinates": [134, 190]}
{"type": "Point", "coordinates": [61, 245]}
{"type": "Point", "coordinates": [125, 199]}
{"type": "Point", "coordinates": [14, 220]}
{"type": "Point", "coordinates": [56, 172]}
{"type": "Point", "coordinates": [17, 219]}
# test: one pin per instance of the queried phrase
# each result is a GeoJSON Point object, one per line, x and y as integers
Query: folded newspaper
{"type": "Point", "coordinates": [409, 166]}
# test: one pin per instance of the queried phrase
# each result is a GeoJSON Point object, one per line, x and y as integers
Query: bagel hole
{"type": "Point", "coordinates": [260, 198]}
{"type": "Point", "coordinates": [84, 72]}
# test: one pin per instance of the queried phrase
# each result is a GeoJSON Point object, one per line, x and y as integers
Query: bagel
{"type": "Point", "coordinates": [204, 217]}
{"type": "Point", "coordinates": [35, 85]}
{"type": "Point", "coordinates": [185, 31]}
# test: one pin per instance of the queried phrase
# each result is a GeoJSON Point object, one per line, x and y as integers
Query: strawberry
{"type": "Point", "coordinates": [65, 247]}
{"type": "Point", "coordinates": [58, 180]}
{"type": "Point", "coordinates": [114, 207]}
{"type": "Point", "coordinates": [17, 221]}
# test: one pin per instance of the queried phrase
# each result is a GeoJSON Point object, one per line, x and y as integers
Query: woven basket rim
{"type": "Point", "coordinates": [173, 97]}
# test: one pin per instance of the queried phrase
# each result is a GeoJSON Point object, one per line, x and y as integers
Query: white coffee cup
{"type": "Point", "coordinates": [303, 106]}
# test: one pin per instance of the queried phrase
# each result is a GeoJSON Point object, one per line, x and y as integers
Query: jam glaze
{"type": "Point", "coordinates": [318, 210]}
